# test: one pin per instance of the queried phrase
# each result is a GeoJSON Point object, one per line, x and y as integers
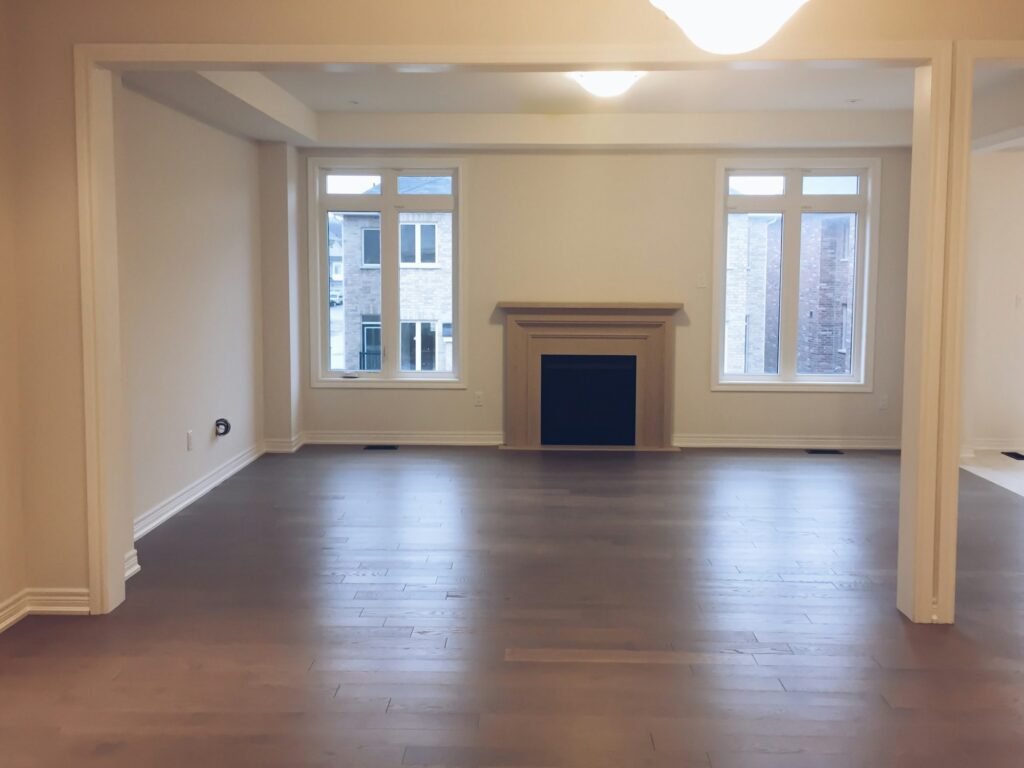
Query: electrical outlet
{"type": "Point", "coordinates": [478, 399]}
{"type": "Point", "coordinates": [883, 402]}
{"type": "Point", "coordinates": [188, 440]}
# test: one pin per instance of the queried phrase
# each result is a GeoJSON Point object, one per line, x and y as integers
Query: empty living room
{"type": "Point", "coordinates": [493, 384]}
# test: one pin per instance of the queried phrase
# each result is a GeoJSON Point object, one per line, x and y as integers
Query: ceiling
{"type": "Point", "coordinates": [383, 90]}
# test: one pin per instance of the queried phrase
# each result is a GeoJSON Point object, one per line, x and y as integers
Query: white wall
{"type": "Point", "coordinates": [189, 248]}
{"type": "Point", "coordinates": [626, 227]}
{"type": "Point", "coordinates": [12, 564]}
{"type": "Point", "coordinates": [993, 414]}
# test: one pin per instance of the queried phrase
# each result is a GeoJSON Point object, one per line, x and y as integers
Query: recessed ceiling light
{"type": "Point", "coordinates": [729, 26]}
{"type": "Point", "coordinates": [606, 84]}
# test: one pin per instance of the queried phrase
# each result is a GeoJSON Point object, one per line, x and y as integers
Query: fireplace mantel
{"type": "Point", "coordinates": [641, 329]}
{"type": "Point", "coordinates": [581, 308]}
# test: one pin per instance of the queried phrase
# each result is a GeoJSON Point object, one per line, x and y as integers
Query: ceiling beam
{"type": "Point", "coordinates": [735, 130]}
{"type": "Point", "coordinates": [245, 104]}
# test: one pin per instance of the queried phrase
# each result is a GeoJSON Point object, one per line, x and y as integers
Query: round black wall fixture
{"type": "Point", "coordinates": [222, 427]}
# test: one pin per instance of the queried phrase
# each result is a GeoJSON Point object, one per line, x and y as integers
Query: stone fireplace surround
{"type": "Point", "coordinates": [643, 330]}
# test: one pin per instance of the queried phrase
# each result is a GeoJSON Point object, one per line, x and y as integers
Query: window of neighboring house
{"type": "Point", "coordinates": [794, 278]}
{"type": "Point", "coordinates": [371, 247]}
{"type": "Point", "coordinates": [369, 355]}
{"type": "Point", "coordinates": [399, 229]}
{"type": "Point", "coordinates": [418, 244]}
{"type": "Point", "coordinates": [419, 345]}
{"type": "Point", "coordinates": [844, 333]}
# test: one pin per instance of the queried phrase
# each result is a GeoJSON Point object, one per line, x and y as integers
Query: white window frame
{"type": "Point", "coordinates": [389, 204]}
{"type": "Point", "coordinates": [793, 204]}
{"type": "Point", "coordinates": [418, 262]}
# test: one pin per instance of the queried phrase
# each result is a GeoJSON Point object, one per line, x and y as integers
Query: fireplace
{"type": "Point", "coordinates": [588, 400]}
{"type": "Point", "coordinates": [588, 375]}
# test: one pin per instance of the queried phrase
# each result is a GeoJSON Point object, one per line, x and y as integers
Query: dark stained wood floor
{"type": "Point", "coordinates": [458, 607]}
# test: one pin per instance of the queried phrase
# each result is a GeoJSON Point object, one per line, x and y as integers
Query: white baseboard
{"type": "Point", "coordinates": [282, 445]}
{"type": "Point", "coordinates": [131, 564]}
{"type": "Point", "coordinates": [56, 602]}
{"type": "Point", "coordinates": [404, 438]}
{"type": "Point", "coordinates": [162, 512]}
{"type": "Point", "coordinates": [787, 442]}
{"type": "Point", "coordinates": [167, 509]}
{"type": "Point", "coordinates": [998, 444]}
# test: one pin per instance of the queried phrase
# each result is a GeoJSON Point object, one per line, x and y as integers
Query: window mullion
{"type": "Point", "coordinates": [790, 299]}
{"type": "Point", "coordinates": [390, 275]}
{"type": "Point", "coordinates": [419, 345]}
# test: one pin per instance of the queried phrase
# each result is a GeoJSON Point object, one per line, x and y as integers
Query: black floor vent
{"type": "Point", "coordinates": [380, 447]}
{"type": "Point", "coordinates": [824, 452]}
{"type": "Point", "coordinates": [1017, 455]}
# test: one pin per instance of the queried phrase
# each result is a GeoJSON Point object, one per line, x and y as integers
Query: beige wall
{"type": "Point", "coordinates": [279, 232]}
{"type": "Point", "coordinates": [46, 204]}
{"type": "Point", "coordinates": [626, 227]}
{"type": "Point", "coordinates": [12, 563]}
{"type": "Point", "coordinates": [188, 230]}
{"type": "Point", "coordinates": [993, 415]}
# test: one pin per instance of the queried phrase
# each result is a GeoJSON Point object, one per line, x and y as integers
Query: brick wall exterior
{"type": "Point", "coordinates": [827, 290]}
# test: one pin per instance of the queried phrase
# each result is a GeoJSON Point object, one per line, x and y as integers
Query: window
{"type": "Point", "coordinates": [352, 184]}
{"type": "Point", "coordinates": [419, 345]}
{"type": "Point", "coordinates": [386, 242]}
{"type": "Point", "coordinates": [371, 247]}
{"type": "Point", "coordinates": [370, 352]}
{"type": "Point", "coordinates": [793, 287]}
{"type": "Point", "coordinates": [424, 185]}
{"type": "Point", "coordinates": [418, 243]}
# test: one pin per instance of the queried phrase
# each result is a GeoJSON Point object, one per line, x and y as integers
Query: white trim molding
{"type": "Point", "coordinates": [999, 444]}
{"type": "Point", "coordinates": [168, 508]}
{"type": "Point", "coordinates": [788, 442]}
{"type": "Point", "coordinates": [283, 444]}
{"type": "Point", "coordinates": [131, 564]}
{"type": "Point", "coordinates": [53, 602]}
{"type": "Point", "coordinates": [405, 438]}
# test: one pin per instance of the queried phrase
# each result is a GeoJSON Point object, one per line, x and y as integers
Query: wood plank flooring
{"type": "Point", "coordinates": [476, 607]}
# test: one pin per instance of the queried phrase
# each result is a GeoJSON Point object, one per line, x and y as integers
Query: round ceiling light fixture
{"type": "Point", "coordinates": [606, 84]}
{"type": "Point", "coordinates": [729, 26]}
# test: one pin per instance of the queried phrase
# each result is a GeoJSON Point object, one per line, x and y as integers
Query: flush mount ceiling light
{"type": "Point", "coordinates": [606, 84]}
{"type": "Point", "coordinates": [729, 26]}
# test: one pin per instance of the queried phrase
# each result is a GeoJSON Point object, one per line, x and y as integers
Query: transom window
{"type": "Point", "coordinates": [385, 239]}
{"type": "Point", "coordinates": [793, 281]}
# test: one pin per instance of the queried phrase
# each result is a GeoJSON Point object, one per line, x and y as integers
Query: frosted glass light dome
{"type": "Point", "coordinates": [729, 26]}
{"type": "Point", "coordinates": [606, 84]}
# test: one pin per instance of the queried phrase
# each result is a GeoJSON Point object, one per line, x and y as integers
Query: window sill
{"type": "Point", "coordinates": [852, 387]}
{"type": "Point", "coordinates": [337, 382]}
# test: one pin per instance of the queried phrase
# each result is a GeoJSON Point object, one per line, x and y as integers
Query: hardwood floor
{"type": "Point", "coordinates": [475, 607]}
